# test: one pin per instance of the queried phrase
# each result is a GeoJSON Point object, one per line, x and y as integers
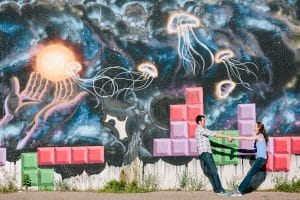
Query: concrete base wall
{"type": "Point", "coordinates": [167, 176]}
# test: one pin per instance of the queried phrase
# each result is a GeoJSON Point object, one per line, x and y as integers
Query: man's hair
{"type": "Point", "coordinates": [199, 118]}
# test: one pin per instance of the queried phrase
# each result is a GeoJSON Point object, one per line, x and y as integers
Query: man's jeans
{"type": "Point", "coordinates": [209, 163]}
{"type": "Point", "coordinates": [258, 163]}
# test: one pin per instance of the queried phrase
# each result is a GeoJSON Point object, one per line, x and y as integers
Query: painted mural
{"type": "Point", "coordinates": [71, 70]}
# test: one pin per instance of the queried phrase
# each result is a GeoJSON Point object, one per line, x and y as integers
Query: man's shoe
{"type": "Point", "coordinates": [223, 193]}
{"type": "Point", "coordinates": [236, 194]}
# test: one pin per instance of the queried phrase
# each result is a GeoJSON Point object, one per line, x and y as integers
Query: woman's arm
{"type": "Point", "coordinates": [248, 138]}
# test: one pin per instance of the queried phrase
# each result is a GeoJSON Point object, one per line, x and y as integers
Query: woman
{"type": "Point", "coordinates": [261, 140]}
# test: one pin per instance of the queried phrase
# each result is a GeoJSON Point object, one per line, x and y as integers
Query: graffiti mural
{"type": "Point", "coordinates": [72, 70]}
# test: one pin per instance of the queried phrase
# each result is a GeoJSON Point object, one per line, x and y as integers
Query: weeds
{"type": "Point", "coordinates": [10, 187]}
{"type": "Point", "coordinates": [190, 182]}
{"type": "Point", "coordinates": [288, 186]}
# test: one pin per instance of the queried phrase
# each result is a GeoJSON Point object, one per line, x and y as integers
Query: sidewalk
{"type": "Point", "coordinates": [161, 195]}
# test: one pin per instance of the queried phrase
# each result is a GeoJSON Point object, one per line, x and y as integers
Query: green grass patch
{"type": "Point", "coordinates": [9, 188]}
{"type": "Point", "coordinates": [115, 186]}
{"type": "Point", "coordinates": [288, 186]}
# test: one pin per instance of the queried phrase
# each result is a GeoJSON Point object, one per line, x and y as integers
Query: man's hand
{"type": "Point", "coordinates": [230, 138]}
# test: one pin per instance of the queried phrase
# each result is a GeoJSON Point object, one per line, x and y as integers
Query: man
{"type": "Point", "coordinates": [205, 153]}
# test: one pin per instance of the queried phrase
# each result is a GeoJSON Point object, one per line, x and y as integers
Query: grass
{"type": "Point", "coordinates": [115, 186]}
{"type": "Point", "coordinates": [288, 186]}
{"type": "Point", "coordinates": [9, 188]}
{"type": "Point", "coordinates": [190, 182]}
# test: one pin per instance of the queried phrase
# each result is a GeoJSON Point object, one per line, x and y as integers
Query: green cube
{"type": "Point", "coordinates": [46, 187]}
{"type": "Point", "coordinates": [29, 161]}
{"type": "Point", "coordinates": [231, 158]}
{"type": "Point", "coordinates": [217, 156]}
{"type": "Point", "coordinates": [46, 177]}
{"type": "Point", "coordinates": [33, 175]}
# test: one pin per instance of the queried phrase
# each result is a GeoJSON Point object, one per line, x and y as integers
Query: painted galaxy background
{"type": "Point", "coordinates": [126, 33]}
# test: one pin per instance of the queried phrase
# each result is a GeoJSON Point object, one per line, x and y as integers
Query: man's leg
{"type": "Point", "coordinates": [259, 162]}
{"type": "Point", "coordinates": [210, 163]}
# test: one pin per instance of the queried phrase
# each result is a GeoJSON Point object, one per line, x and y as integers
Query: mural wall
{"type": "Point", "coordinates": [72, 70]}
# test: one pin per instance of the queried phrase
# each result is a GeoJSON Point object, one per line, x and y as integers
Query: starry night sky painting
{"type": "Point", "coordinates": [71, 70]}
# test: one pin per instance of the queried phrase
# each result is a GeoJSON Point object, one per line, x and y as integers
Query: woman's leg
{"type": "Point", "coordinates": [259, 162]}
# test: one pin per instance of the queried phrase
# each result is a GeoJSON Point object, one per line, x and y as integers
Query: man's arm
{"type": "Point", "coordinates": [221, 135]}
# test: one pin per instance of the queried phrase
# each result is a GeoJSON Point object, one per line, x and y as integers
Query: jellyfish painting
{"type": "Point", "coordinates": [234, 68]}
{"type": "Point", "coordinates": [103, 84]}
{"type": "Point", "coordinates": [182, 24]}
{"type": "Point", "coordinates": [224, 88]}
{"type": "Point", "coordinates": [53, 88]}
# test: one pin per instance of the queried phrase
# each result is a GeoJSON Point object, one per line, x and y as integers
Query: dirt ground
{"type": "Point", "coordinates": [161, 195]}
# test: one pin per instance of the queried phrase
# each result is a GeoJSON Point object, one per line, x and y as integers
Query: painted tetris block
{"type": "Point", "coordinates": [178, 113]}
{"type": "Point", "coordinates": [46, 177]}
{"type": "Point", "coordinates": [2, 156]}
{"type": "Point", "coordinates": [46, 156]}
{"type": "Point", "coordinates": [295, 145]}
{"type": "Point", "coordinates": [281, 162]}
{"type": "Point", "coordinates": [246, 127]}
{"type": "Point", "coordinates": [246, 147]}
{"type": "Point", "coordinates": [246, 112]}
{"type": "Point", "coordinates": [192, 147]}
{"type": "Point", "coordinates": [179, 147]}
{"type": "Point", "coordinates": [194, 95]}
{"type": "Point", "coordinates": [246, 144]}
{"type": "Point", "coordinates": [95, 154]}
{"type": "Point", "coordinates": [33, 175]}
{"type": "Point", "coordinates": [230, 157]}
{"type": "Point", "coordinates": [193, 111]}
{"type": "Point", "coordinates": [217, 156]}
{"type": "Point", "coordinates": [29, 161]}
{"type": "Point", "coordinates": [63, 155]}
{"type": "Point", "coordinates": [282, 145]}
{"type": "Point", "coordinates": [270, 147]}
{"type": "Point", "coordinates": [162, 147]}
{"type": "Point", "coordinates": [191, 129]}
{"type": "Point", "coordinates": [79, 155]}
{"type": "Point", "coordinates": [179, 129]}
{"type": "Point", "coordinates": [270, 163]}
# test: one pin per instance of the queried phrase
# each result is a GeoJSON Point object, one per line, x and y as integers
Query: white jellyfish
{"type": "Point", "coordinates": [112, 81]}
{"type": "Point", "coordinates": [234, 67]}
{"type": "Point", "coordinates": [183, 24]}
{"type": "Point", "coordinates": [224, 88]}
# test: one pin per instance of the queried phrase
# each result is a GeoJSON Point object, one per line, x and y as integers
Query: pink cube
{"type": "Point", "coordinates": [179, 147]}
{"type": "Point", "coordinates": [46, 156]}
{"type": "Point", "coordinates": [95, 154]}
{"type": "Point", "coordinates": [179, 129]}
{"type": "Point", "coordinates": [246, 127]}
{"type": "Point", "coordinates": [162, 147]}
{"type": "Point", "coordinates": [194, 110]}
{"type": "Point", "coordinates": [246, 112]}
{"type": "Point", "coordinates": [295, 145]}
{"type": "Point", "coordinates": [282, 145]}
{"type": "Point", "coordinates": [63, 155]}
{"type": "Point", "coordinates": [270, 163]}
{"type": "Point", "coordinates": [194, 95]}
{"type": "Point", "coordinates": [2, 156]}
{"type": "Point", "coordinates": [178, 113]}
{"type": "Point", "coordinates": [79, 155]}
{"type": "Point", "coordinates": [281, 162]}
{"type": "Point", "coordinates": [246, 147]}
{"type": "Point", "coordinates": [270, 147]}
{"type": "Point", "coordinates": [192, 147]}
{"type": "Point", "coordinates": [191, 129]}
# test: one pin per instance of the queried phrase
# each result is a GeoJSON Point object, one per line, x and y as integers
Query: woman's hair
{"type": "Point", "coordinates": [262, 130]}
